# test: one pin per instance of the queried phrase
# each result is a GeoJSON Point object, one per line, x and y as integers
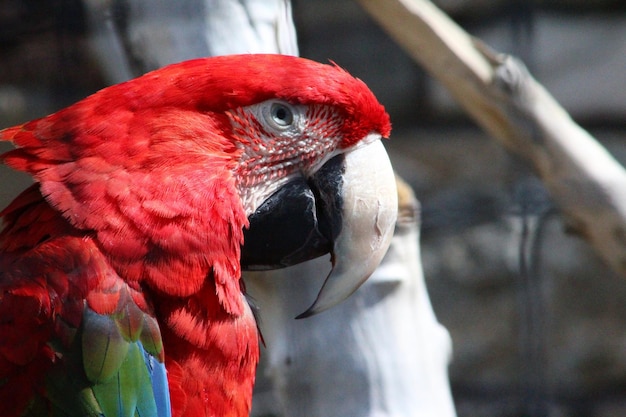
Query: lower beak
{"type": "Point", "coordinates": [348, 209]}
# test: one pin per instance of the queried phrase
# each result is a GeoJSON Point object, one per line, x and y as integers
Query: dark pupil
{"type": "Point", "coordinates": [281, 113]}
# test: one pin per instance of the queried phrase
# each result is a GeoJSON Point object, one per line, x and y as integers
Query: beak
{"type": "Point", "coordinates": [348, 208]}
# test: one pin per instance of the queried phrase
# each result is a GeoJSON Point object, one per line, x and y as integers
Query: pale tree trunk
{"type": "Point", "coordinates": [585, 181]}
{"type": "Point", "coordinates": [131, 37]}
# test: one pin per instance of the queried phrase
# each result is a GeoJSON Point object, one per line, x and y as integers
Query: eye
{"type": "Point", "coordinates": [281, 115]}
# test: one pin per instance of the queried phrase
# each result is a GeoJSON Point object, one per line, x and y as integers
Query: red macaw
{"type": "Point", "coordinates": [120, 290]}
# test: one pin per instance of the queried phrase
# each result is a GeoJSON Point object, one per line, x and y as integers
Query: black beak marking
{"type": "Point", "coordinates": [297, 223]}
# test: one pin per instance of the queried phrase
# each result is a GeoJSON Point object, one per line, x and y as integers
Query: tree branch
{"type": "Point", "coordinates": [498, 92]}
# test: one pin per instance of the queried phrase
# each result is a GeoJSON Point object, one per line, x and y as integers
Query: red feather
{"type": "Point", "coordinates": [138, 213]}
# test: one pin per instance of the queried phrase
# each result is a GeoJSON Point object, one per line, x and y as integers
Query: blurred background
{"type": "Point", "coordinates": [538, 323]}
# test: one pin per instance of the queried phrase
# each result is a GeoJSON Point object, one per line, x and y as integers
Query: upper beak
{"type": "Point", "coordinates": [348, 208]}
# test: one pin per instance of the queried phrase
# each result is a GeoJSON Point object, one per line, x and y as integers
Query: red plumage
{"type": "Point", "coordinates": [138, 213]}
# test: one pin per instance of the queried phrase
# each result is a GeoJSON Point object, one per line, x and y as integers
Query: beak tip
{"type": "Point", "coordinates": [370, 210]}
{"type": "Point", "coordinates": [308, 313]}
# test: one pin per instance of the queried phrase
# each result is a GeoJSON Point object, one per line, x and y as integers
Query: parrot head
{"type": "Point", "coordinates": [218, 164]}
{"type": "Point", "coordinates": [317, 179]}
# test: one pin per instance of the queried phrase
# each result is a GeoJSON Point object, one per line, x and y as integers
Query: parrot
{"type": "Point", "coordinates": [120, 267]}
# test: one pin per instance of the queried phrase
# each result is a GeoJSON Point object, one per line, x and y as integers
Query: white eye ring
{"type": "Point", "coordinates": [280, 115]}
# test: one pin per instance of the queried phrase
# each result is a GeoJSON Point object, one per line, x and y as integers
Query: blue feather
{"type": "Point", "coordinates": [160, 387]}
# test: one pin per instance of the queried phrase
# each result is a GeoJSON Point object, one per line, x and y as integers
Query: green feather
{"type": "Point", "coordinates": [130, 321]}
{"type": "Point", "coordinates": [129, 393]}
{"type": "Point", "coordinates": [104, 348]}
{"type": "Point", "coordinates": [151, 338]}
{"type": "Point", "coordinates": [103, 371]}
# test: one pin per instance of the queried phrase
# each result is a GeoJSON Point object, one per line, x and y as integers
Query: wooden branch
{"type": "Point", "coordinates": [586, 182]}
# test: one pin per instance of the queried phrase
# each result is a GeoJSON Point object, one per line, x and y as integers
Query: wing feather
{"type": "Point", "coordinates": [77, 340]}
